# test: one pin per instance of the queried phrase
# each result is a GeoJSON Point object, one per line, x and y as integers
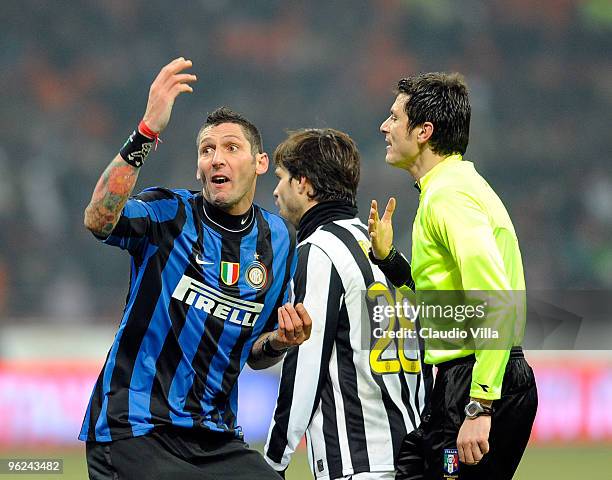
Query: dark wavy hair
{"type": "Point", "coordinates": [328, 158]}
{"type": "Point", "coordinates": [442, 99]}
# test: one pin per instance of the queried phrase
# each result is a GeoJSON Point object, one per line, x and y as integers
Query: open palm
{"type": "Point", "coordinates": [381, 229]}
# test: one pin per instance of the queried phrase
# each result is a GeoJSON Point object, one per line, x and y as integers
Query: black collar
{"type": "Point", "coordinates": [225, 222]}
{"type": "Point", "coordinates": [322, 213]}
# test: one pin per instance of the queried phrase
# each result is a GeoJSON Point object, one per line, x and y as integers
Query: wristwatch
{"type": "Point", "coordinates": [476, 409]}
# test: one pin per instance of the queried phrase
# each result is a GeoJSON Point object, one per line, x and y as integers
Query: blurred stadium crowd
{"type": "Point", "coordinates": [75, 80]}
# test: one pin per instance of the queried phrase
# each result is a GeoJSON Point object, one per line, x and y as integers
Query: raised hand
{"type": "Point", "coordinates": [168, 85]}
{"type": "Point", "coordinates": [117, 182]}
{"type": "Point", "coordinates": [381, 229]}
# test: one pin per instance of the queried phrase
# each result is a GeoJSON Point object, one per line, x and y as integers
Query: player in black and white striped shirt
{"type": "Point", "coordinates": [354, 418]}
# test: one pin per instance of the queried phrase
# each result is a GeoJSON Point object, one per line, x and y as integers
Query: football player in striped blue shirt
{"type": "Point", "coordinates": [210, 275]}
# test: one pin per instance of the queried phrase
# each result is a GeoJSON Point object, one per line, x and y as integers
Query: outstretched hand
{"type": "Point", "coordinates": [381, 229]}
{"type": "Point", "coordinates": [294, 326]}
{"type": "Point", "coordinates": [168, 85]}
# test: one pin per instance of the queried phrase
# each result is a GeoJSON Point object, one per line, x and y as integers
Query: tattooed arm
{"type": "Point", "coordinates": [109, 197]}
{"type": "Point", "coordinates": [119, 179]}
{"type": "Point", "coordinates": [258, 360]}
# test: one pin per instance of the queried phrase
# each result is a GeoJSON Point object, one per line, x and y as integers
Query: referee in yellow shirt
{"type": "Point", "coordinates": [484, 401]}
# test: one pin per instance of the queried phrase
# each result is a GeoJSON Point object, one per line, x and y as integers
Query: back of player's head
{"type": "Point", "coordinates": [328, 158]}
{"type": "Point", "coordinates": [227, 115]}
{"type": "Point", "coordinates": [442, 99]}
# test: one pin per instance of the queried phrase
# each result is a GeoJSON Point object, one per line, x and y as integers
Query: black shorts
{"type": "Point", "coordinates": [422, 454]}
{"type": "Point", "coordinates": [177, 454]}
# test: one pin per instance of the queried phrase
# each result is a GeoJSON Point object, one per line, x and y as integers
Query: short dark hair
{"type": "Point", "coordinates": [328, 158]}
{"type": "Point", "coordinates": [227, 115]}
{"type": "Point", "coordinates": [442, 99]}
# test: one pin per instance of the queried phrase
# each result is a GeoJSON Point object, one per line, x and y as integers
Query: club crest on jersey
{"type": "Point", "coordinates": [451, 463]}
{"type": "Point", "coordinates": [256, 275]}
{"type": "Point", "coordinates": [230, 271]}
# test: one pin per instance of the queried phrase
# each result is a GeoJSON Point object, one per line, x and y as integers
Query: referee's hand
{"type": "Point", "coordinates": [381, 229]}
{"type": "Point", "coordinates": [473, 439]}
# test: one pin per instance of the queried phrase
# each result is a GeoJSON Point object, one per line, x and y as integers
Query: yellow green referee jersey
{"type": "Point", "coordinates": [463, 239]}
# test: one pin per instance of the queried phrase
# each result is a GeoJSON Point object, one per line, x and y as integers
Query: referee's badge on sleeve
{"type": "Point", "coordinates": [451, 463]}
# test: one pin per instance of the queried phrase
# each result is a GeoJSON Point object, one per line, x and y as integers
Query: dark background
{"type": "Point", "coordinates": [75, 79]}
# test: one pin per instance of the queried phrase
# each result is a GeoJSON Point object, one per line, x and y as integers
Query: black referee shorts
{"type": "Point", "coordinates": [427, 452]}
{"type": "Point", "coordinates": [176, 454]}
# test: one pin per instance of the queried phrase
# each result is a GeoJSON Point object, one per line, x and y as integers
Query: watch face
{"type": "Point", "coordinates": [472, 409]}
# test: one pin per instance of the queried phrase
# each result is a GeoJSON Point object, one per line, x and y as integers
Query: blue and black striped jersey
{"type": "Point", "coordinates": [199, 296]}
